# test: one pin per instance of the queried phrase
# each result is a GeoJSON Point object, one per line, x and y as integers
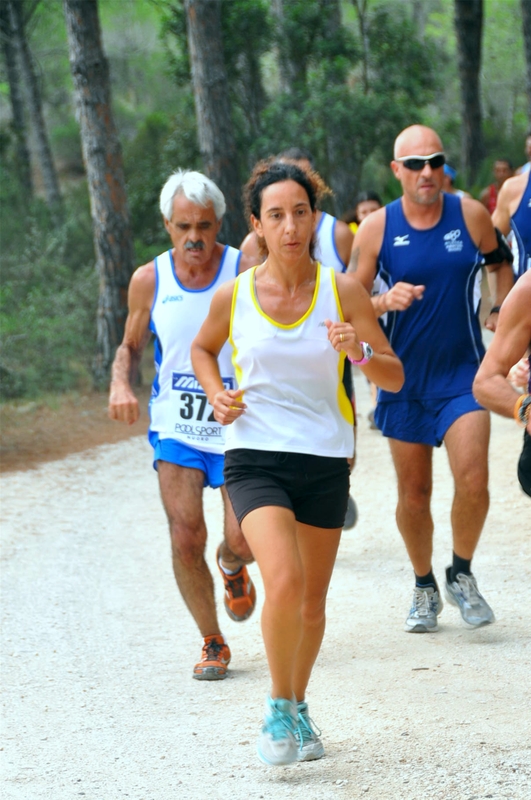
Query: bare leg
{"type": "Point", "coordinates": [271, 533]}
{"type": "Point", "coordinates": [181, 490]}
{"type": "Point", "coordinates": [413, 465]}
{"type": "Point", "coordinates": [234, 550]}
{"type": "Point", "coordinates": [467, 443]}
{"type": "Point", "coordinates": [318, 550]}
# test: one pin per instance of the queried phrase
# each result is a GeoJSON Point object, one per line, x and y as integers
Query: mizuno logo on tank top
{"type": "Point", "coordinates": [400, 241]}
{"type": "Point", "coordinates": [190, 382]}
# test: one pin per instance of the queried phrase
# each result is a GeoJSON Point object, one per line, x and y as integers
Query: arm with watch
{"type": "Point", "coordinates": [362, 339]}
{"type": "Point", "coordinates": [511, 340]}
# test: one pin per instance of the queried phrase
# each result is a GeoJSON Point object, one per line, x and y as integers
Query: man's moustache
{"type": "Point", "coordinates": [194, 246]}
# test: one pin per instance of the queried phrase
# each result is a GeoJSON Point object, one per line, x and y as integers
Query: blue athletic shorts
{"type": "Point", "coordinates": [423, 421]}
{"type": "Point", "coordinates": [211, 464]}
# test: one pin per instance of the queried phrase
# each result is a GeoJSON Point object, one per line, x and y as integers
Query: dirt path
{"type": "Point", "coordinates": [97, 649]}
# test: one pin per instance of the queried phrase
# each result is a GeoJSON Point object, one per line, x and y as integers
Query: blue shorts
{"type": "Point", "coordinates": [185, 456]}
{"type": "Point", "coordinates": [423, 421]}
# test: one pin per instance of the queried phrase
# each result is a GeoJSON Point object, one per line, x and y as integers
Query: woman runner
{"type": "Point", "coordinates": [291, 324]}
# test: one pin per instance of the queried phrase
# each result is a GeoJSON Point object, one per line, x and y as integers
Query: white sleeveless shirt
{"type": "Point", "coordinates": [325, 243]}
{"type": "Point", "coordinates": [291, 376]}
{"type": "Point", "coordinates": [179, 408]}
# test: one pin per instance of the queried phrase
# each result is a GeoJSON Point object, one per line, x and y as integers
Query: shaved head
{"type": "Point", "coordinates": [417, 140]}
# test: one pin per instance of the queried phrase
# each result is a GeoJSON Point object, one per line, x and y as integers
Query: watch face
{"type": "Point", "coordinates": [368, 352]}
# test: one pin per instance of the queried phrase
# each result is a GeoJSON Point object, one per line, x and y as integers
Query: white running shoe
{"type": "Point", "coordinates": [426, 607]}
{"type": "Point", "coordinates": [464, 593]}
{"type": "Point", "coordinates": [307, 735]}
{"type": "Point", "coordinates": [277, 744]}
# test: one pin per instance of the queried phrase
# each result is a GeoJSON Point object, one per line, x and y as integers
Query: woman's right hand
{"type": "Point", "coordinates": [227, 405]}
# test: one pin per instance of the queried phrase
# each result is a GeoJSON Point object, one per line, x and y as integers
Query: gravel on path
{"type": "Point", "coordinates": [98, 649]}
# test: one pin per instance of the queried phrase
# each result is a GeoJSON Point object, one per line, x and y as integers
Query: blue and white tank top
{"type": "Point", "coordinates": [437, 338]}
{"type": "Point", "coordinates": [179, 408]}
{"type": "Point", "coordinates": [291, 375]}
{"type": "Point", "coordinates": [521, 227]}
{"type": "Point", "coordinates": [325, 244]}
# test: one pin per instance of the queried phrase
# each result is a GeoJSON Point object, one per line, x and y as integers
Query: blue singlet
{"type": "Point", "coordinates": [521, 225]}
{"type": "Point", "coordinates": [437, 338]}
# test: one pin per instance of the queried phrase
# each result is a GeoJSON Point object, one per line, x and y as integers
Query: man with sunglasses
{"type": "Point", "coordinates": [428, 247]}
{"type": "Point", "coordinates": [170, 297]}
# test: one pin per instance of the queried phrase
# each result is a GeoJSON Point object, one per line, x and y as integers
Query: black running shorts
{"type": "Point", "coordinates": [315, 488]}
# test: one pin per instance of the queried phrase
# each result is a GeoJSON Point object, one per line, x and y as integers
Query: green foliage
{"type": "Point", "coordinates": [345, 111]}
{"type": "Point", "coordinates": [48, 293]}
{"type": "Point", "coordinates": [162, 144]}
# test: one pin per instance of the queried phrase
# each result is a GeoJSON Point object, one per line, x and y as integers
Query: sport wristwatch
{"type": "Point", "coordinates": [368, 353]}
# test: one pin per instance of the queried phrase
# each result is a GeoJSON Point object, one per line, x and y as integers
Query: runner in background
{"type": "Point", "coordinates": [450, 174]}
{"type": "Point", "coordinates": [502, 170]}
{"type": "Point", "coordinates": [170, 298]}
{"type": "Point", "coordinates": [432, 245]}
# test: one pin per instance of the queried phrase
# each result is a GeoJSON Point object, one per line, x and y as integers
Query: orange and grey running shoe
{"type": "Point", "coordinates": [240, 594]}
{"type": "Point", "coordinates": [214, 660]}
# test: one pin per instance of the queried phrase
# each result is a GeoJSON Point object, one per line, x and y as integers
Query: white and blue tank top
{"type": "Point", "coordinates": [521, 227]}
{"type": "Point", "coordinates": [437, 338]}
{"type": "Point", "coordinates": [325, 243]}
{"type": "Point", "coordinates": [179, 408]}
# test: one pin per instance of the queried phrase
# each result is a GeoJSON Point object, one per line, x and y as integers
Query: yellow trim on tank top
{"type": "Point", "coordinates": [304, 316]}
{"type": "Point", "coordinates": [343, 401]}
{"type": "Point", "coordinates": [237, 369]}
{"type": "Point", "coordinates": [336, 295]}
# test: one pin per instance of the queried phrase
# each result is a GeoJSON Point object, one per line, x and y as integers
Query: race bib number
{"type": "Point", "coordinates": [194, 415]}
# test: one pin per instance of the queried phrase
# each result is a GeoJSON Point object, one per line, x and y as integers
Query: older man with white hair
{"type": "Point", "coordinates": [170, 297]}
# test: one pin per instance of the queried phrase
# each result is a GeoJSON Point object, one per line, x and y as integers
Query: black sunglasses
{"type": "Point", "coordinates": [417, 163]}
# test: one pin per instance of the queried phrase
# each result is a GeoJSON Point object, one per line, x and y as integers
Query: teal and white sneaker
{"type": "Point", "coordinates": [277, 744]}
{"type": "Point", "coordinates": [307, 735]}
{"type": "Point", "coordinates": [426, 607]}
{"type": "Point", "coordinates": [464, 593]}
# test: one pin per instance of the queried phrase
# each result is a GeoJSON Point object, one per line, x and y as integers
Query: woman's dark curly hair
{"type": "Point", "coordinates": [271, 171]}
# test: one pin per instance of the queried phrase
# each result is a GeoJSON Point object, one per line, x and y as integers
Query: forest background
{"type": "Point", "coordinates": [341, 84]}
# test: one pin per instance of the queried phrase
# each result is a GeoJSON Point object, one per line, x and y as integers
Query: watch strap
{"type": "Point", "coordinates": [366, 349]}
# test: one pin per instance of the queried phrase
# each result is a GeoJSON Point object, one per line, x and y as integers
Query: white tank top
{"type": "Point", "coordinates": [179, 408]}
{"type": "Point", "coordinates": [325, 244]}
{"type": "Point", "coordinates": [291, 376]}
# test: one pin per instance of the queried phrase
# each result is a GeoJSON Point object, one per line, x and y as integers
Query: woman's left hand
{"type": "Point", "coordinates": [342, 336]}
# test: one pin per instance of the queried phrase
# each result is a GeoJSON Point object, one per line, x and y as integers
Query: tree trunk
{"type": "Point", "coordinates": [102, 155]}
{"type": "Point", "coordinates": [468, 26]}
{"type": "Point", "coordinates": [287, 69]}
{"type": "Point", "coordinates": [339, 148]}
{"type": "Point", "coordinates": [361, 7]}
{"type": "Point", "coordinates": [17, 103]}
{"type": "Point", "coordinates": [526, 25]}
{"type": "Point", "coordinates": [214, 123]}
{"type": "Point", "coordinates": [44, 152]}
